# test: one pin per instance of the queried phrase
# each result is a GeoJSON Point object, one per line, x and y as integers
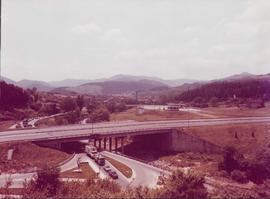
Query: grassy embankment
{"type": "Point", "coordinates": [246, 138]}
{"type": "Point", "coordinates": [124, 169]}
{"type": "Point", "coordinates": [28, 155]}
{"type": "Point", "coordinates": [4, 125]}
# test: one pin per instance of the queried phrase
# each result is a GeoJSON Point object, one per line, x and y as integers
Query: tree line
{"type": "Point", "coordinates": [247, 89]}
{"type": "Point", "coordinates": [12, 96]}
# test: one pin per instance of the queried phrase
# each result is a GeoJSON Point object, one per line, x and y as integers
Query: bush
{"type": "Point", "coordinates": [46, 181]}
{"type": "Point", "coordinates": [230, 161]}
{"type": "Point", "coordinates": [68, 104]}
{"type": "Point", "coordinates": [180, 185]}
{"type": "Point", "coordinates": [257, 172]}
{"type": "Point", "coordinates": [257, 169]}
{"type": "Point", "coordinates": [239, 176]}
{"type": "Point", "coordinates": [100, 114]}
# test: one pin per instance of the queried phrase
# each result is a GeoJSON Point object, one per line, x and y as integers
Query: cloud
{"type": "Point", "coordinates": [86, 28]}
{"type": "Point", "coordinates": [114, 36]}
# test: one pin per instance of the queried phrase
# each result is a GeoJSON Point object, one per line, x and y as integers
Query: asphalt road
{"type": "Point", "coordinates": [18, 179]}
{"type": "Point", "coordinates": [143, 174]}
{"type": "Point", "coordinates": [115, 128]}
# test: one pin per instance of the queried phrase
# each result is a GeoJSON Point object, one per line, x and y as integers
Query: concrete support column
{"type": "Point", "coordinates": [116, 142]}
{"type": "Point", "coordinates": [104, 142]}
{"type": "Point", "coordinates": [110, 144]}
{"type": "Point", "coordinates": [95, 143]}
{"type": "Point", "coordinates": [59, 145]}
{"type": "Point", "coordinates": [122, 144]}
{"type": "Point", "coordinates": [99, 144]}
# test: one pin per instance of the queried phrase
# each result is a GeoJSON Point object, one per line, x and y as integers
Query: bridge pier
{"type": "Point", "coordinates": [122, 144]}
{"type": "Point", "coordinates": [104, 143]}
{"type": "Point", "coordinates": [116, 143]}
{"type": "Point", "coordinates": [99, 144]}
{"type": "Point", "coordinates": [95, 143]}
{"type": "Point", "coordinates": [110, 144]}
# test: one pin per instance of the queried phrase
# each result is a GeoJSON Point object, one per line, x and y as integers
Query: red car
{"type": "Point", "coordinates": [113, 174]}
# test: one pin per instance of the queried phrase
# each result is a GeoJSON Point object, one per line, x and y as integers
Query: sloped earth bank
{"type": "Point", "coordinates": [27, 156]}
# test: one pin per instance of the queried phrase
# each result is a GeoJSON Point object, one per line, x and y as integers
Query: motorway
{"type": "Point", "coordinates": [115, 129]}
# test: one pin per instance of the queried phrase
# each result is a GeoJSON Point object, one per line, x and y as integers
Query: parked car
{"type": "Point", "coordinates": [113, 174]}
{"type": "Point", "coordinates": [107, 168]}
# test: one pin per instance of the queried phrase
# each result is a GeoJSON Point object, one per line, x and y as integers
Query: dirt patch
{"type": "Point", "coordinates": [87, 170]}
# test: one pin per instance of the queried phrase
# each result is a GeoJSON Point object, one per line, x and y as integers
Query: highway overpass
{"type": "Point", "coordinates": [117, 130]}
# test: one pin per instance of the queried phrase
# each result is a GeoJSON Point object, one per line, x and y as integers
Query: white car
{"type": "Point", "coordinates": [107, 168]}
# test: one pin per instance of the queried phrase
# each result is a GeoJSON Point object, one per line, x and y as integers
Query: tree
{"type": "Point", "coordinates": [213, 101]}
{"type": "Point", "coordinates": [230, 161]}
{"type": "Point", "coordinates": [80, 101]}
{"type": "Point", "coordinates": [12, 96]}
{"type": "Point", "coordinates": [68, 104]}
{"type": "Point", "coordinates": [47, 180]}
{"type": "Point", "coordinates": [49, 108]}
{"type": "Point", "coordinates": [100, 114]}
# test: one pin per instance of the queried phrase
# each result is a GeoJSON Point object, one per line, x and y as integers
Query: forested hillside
{"type": "Point", "coordinates": [12, 96]}
{"type": "Point", "coordinates": [254, 89]}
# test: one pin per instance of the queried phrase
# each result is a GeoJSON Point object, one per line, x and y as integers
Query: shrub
{"type": "Point", "coordinates": [230, 161]}
{"type": "Point", "coordinates": [47, 180]}
{"type": "Point", "coordinates": [257, 172]}
{"type": "Point", "coordinates": [239, 176]}
{"type": "Point", "coordinates": [180, 185]}
{"type": "Point", "coordinates": [223, 173]}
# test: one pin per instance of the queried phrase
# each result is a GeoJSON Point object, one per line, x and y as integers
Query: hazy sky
{"type": "Point", "coordinates": [201, 39]}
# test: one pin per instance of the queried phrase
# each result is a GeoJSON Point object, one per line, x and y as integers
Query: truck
{"type": "Point", "coordinates": [91, 151]}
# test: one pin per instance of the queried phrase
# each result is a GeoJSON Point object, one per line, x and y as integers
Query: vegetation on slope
{"type": "Point", "coordinates": [223, 90]}
{"type": "Point", "coordinates": [12, 96]}
{"type": "Point", "coordinates": [28, 155]}
{"type": "Point", "coordinates": [178, 185]}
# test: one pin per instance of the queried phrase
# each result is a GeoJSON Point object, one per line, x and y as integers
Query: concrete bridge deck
{"type": "Point", "coordinates": [115, 129]}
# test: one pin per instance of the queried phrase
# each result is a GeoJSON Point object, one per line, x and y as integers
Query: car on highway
{"type": "Point", "coordinates": [100, 160]}
{"type": "Point", "coordinates": [113, 174]}
{"type": "Point", "coordinates": [107, 168]}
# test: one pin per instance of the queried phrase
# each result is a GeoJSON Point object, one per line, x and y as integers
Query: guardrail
{"type": "Point", "coordinates": [128, 128]}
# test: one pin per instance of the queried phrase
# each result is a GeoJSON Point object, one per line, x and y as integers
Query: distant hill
{"type": "Point", "coordinates": [40, 85]}
{"type": "Point", "coordinates": [69, 82]}
{"type": "Point", "coordinates": [114, 87]}
{"type": "Point", "coordinates": [171, 83]}
{"type": "Point", "coordinates": [98, 86]}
